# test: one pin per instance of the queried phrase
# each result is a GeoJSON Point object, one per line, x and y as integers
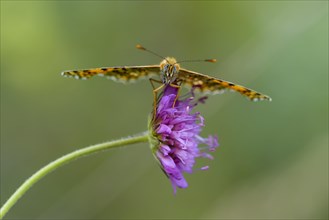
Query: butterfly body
{"type": "Point", "coordinates": [169, 72]}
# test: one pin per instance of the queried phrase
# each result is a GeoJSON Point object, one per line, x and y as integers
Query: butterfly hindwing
{"type": "Point", "coordinates": [210, 84]}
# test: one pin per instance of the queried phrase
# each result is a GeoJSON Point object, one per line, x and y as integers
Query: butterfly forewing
{"type": "Point", "coordinates": [210, 84]}
{"type": "Point", "coordinates": [119, 73]}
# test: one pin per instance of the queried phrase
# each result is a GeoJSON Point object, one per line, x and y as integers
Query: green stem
{"type": "Point", "coordinates": [65, 159]}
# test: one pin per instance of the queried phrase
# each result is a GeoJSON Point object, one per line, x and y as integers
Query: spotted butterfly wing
{"type": "Point", "coordinates": [119, 73]}
{"type": "Point", "coordinates": [206, 83]}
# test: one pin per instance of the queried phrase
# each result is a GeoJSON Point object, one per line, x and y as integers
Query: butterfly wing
{"type": "Point", "coordinates": [210, 84]}
{"type": "Point", "coordinates": [119, 73]}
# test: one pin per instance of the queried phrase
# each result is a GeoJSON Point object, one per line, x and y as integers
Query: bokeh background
{"type": "Point", "coordinates": [273, 158]}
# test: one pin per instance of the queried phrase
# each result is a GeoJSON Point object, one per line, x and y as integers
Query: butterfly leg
{"type": "Point", "coordinates": [178, 86]}
{"type": "Point", "coordinates": [178, 89]}
{"type": "Point", "coordinates": [152, 81]}
{"type": "Point", "coordinates": [155, 93]}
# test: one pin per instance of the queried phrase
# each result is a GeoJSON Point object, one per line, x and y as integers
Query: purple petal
{"type": "Point", "coordinates": [163, 129]}
{"type": "Point", "coordinates": [165, 150]}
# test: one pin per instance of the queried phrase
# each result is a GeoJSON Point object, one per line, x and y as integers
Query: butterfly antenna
{"type": "Point", "coordinates": [138, 46]}
{"type": "Point", "coordinates": [206, 60]}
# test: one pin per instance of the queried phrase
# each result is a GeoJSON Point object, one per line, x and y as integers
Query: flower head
{"type": "Point", "coordinates": [175, 139]}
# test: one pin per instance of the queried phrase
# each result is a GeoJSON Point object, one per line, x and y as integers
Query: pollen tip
{"type": "Point", "coordinates": [204, 168]}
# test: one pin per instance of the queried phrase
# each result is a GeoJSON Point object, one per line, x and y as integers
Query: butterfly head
{"type": "Point", "coordinates": [169, 69]}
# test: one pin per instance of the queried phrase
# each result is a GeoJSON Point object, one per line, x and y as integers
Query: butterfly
{"type": "Point", "coordinates": [170, 73]}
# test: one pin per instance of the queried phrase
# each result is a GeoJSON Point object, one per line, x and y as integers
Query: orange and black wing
{"type": "Point", "coordinates": [119, 73]}
{"type": "Point", "coordinates": [210, 84]}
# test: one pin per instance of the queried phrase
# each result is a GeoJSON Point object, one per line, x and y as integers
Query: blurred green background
{"type": "Point", "coordinates": [273, 158]}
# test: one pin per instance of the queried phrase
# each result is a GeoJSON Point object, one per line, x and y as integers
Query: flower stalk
{"type": "Point", "coordinates": [144, 137]}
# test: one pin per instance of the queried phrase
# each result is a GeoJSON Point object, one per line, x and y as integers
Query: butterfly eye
{"type": "Point", "coordinates": [166, 67]}
{"type": "Point", "coordinates": [174, 70]}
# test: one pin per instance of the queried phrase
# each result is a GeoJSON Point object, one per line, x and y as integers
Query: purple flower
{"type": "Point", "coordinates": [175, 136]}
